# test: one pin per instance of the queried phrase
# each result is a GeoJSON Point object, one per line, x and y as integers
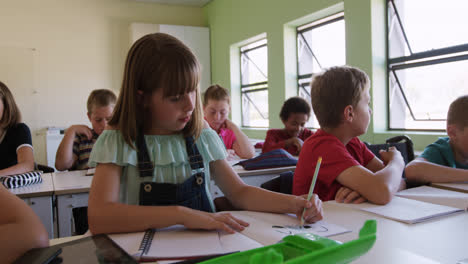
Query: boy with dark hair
{"type": "Point", "coordinates": [294, 113]}
{"type": "Point", "coordinates": [445, 160]}
{"type": "Point", "coordinates": [349, 171]}
{"type": "Point", "coordinates": [77, 143]}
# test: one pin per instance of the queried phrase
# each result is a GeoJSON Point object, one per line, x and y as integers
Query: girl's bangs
{"type": "Point", "coordinates": [180, 77]}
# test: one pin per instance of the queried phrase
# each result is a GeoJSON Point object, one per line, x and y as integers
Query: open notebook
{"type": "Point", "coordinates": [407, 210]}
{"type": "Point", "coordinates": [177, 242]}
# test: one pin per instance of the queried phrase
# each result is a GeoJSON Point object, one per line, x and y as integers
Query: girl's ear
{"type": "Point", "coordinates": [140, 97]}
{"type": "Point", "coordinates": [348, 113]}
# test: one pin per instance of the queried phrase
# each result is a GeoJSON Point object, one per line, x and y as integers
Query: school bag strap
{"type": "Point", "coordinates": [145, 165]}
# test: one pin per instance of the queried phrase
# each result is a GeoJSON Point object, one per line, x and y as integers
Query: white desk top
{"type": "Point", "coordinates": [458, 187]}
{"type": "Point", "coordinates": [441, 240]}
{"type": "Point", "coordinates": [45, 188]}
{"type": "Point", "coordinates": [71, 182]}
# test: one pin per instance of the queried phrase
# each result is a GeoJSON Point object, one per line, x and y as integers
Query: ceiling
{"type": "Point", "coordinates": [196, 3]}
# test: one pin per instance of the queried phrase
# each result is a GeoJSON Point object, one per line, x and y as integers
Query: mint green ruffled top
{"type": "Point", "coordinates": [168, 152]}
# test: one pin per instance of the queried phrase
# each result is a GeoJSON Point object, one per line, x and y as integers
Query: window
{"type": "Point", "coordinates": [320, 45]}
{"type": "Point", "coordinates": [254, 84]}
{"type": "Point", "coordinates": [427, 61]}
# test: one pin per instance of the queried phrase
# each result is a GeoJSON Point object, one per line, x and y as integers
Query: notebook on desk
{"type": "Point", "coordinates": [436, 196]}
{"type": "Point", "coordinates": [177, 242]}
{"type": "Point", "coordinates": [407, 210]}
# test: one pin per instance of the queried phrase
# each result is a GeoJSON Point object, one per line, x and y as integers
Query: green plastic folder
{"type": "Point", "coordinates": [306, 248]}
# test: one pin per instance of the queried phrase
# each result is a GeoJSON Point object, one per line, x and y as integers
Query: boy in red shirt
{"type": "Point", "coordinates": [349, 172]}
{"type": "Point", "coordinates": [295, 113]}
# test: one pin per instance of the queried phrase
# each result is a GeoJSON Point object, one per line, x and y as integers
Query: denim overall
{"type": "Point", "coordinates": [191, 193]}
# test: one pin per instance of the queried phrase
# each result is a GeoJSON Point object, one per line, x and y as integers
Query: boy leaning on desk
{"type": "Point", "coordinates": [445, 160]}
{"type": "Point", "coordinates": [77, 143]}
{"type": "Point", "coordinates": [349, 171]}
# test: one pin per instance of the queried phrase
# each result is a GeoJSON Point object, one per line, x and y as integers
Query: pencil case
{"type": "Point", "coordinates": [306, 248]}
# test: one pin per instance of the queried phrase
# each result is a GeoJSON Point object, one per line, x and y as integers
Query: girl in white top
{"type": "Point", "coordinates": [155, 161]}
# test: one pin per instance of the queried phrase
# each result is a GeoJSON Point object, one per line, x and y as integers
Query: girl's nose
{"type": "Point", "coordinates": [189, 103]}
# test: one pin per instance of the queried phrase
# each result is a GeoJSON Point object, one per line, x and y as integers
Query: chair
{"type": "Point", "coordinates": [44, 168]}
{"type": "Point", "coordinates": [282, 183]}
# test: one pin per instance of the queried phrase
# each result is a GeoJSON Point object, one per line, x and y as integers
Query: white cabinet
{"type": "Point", "coordinates": [196, 38]}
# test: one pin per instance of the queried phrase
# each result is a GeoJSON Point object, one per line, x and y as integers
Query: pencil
{"type": "Point", "coordinates": [312, 185]}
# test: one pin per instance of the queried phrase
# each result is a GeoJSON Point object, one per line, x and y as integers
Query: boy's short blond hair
{"type": "Point", "coordinates": [333, 90]}
{"type": "Point", "coordinates": [217, 93]}
{"type": "Point", "coordinates": [100, 98]}
{"type": "Point", "coordinates": [457, 113]}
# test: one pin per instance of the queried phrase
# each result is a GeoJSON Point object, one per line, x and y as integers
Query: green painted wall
{"type": "Point", "coordinates": [233, 23]}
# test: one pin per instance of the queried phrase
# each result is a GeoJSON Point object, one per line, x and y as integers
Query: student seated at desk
{"type": "Point", "coordinates": [153, 164]}
{"type": "Point", "coordinates": [216, 107]}
{"type": "Point", "coordinates": [349, 171]}
{"type": "Point", "coordinates": [294, 113]}
{"type": "Point", "coordinates": [445, 160]}
{"type": "Point", "coordinates": [20, 228]}
{"type": "Point", "coordinates": [77, 143]}
{"type": "Point", "coordinates": [16, 149]}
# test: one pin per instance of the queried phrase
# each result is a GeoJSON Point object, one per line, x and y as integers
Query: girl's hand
{"type": "Point", "coordinates": [195, 219]}
{"type": "Point", "coordinates": [231, 154]}
{"type": "Point", "coordinates": [313, 208]}
{"type": "Point", "coordinates": [294, 141]}
{"type": "Point", "coordinates": [346, 195]}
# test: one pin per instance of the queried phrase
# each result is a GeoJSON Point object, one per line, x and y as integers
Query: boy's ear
{"type": "Point", "coordinates": [348, 113]}
{"type": "Point", "coordinates": [452, 131]}
{"type": "Point", "coordinates": [89, 116]}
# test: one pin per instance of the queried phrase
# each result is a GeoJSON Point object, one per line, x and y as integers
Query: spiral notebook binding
{"type": "Point", "coordinates": [146, 241]}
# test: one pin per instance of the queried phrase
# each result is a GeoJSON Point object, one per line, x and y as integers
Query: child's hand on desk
{"type": "Point", "coordinates": [346, 195]}
{"type": "Point", "coordinates": [231, 155]}
{"type": "Point", "coordinates": [313, 212]}
{"type": "Point", "coordinates": [195, 219]}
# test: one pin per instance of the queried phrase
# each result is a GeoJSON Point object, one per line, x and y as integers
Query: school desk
{"type": "Point", "coordinates": [458, 187]}
{"type": "Point", "coordinates": [39, 197]}
{"type": "Point", "coordinates": [441, 240]}
{"type": "Point", "coordinates": [71, 189]}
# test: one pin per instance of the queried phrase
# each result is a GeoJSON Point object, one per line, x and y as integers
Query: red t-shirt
{"type": "Point", "coordinates": [275, 140]}
{"type": "Point", "coordinates": [335, 159]}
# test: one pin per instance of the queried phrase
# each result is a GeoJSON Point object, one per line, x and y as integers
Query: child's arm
{"type": "Point", "coordinates": [20, 228]}
{"type": "Point", "coordinates": [107, 215]}
{"type": "Point", "coordinates": [273, 141]}
{"type": "Point", "coordinates": [65, 158]}
{"type": "Point", "coordinates": [421, 170]}
{"type": "Point", "coordinates": [242, 145]}
{"type": "Point", "coordinates": [253, 198]}
{"type": "Point", "coordinates": [377, 187]}
{"type": "Point", "coordinates": [25, 163]}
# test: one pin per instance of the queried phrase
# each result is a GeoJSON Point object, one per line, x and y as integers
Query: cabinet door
{"type": "Point", "coordinates": [42, 207]}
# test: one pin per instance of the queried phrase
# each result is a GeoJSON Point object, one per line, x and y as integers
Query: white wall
{"type": "Point", "coordinates": [54, 52]}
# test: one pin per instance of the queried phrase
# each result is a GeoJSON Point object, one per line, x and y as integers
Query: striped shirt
{"type": "Point", "coordinates": [82, 147]}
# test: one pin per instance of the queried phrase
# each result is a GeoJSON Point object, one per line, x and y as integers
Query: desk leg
{"type": "Point", "coordinates": [65, 204]}
{"type": "Point", "coordinates": [42, 207]}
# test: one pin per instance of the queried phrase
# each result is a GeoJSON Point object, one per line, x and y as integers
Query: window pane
{"type": "Point", "coordinates": [326, 42]}
{"type": "Point", "coordinates": [254, 65]}
{"type": "Point", "coordinates": [429, 91]}
{"type": "Point", "coordinates": [429, 24]}
{"type": "Point", "coordinates": [255, 109]}
{"type": "Point", "coordinates": [304, 92]}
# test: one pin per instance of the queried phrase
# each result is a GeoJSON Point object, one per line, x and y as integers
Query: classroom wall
{"type": "Point", "coordinates": [234, 22]}
{"type": "Point", "coordinates": [54, 52]}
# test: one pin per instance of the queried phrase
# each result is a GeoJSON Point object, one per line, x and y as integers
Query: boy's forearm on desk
{"type": "Point", "coordinates": [424, 171]}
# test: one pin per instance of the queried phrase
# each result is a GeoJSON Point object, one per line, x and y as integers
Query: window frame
{"type": "Point", "coordinates": [329, 19]}
{"type": "Point", "coordinates": [249, 88]}
{"type": "Point", "coordinates": [414, 60]}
